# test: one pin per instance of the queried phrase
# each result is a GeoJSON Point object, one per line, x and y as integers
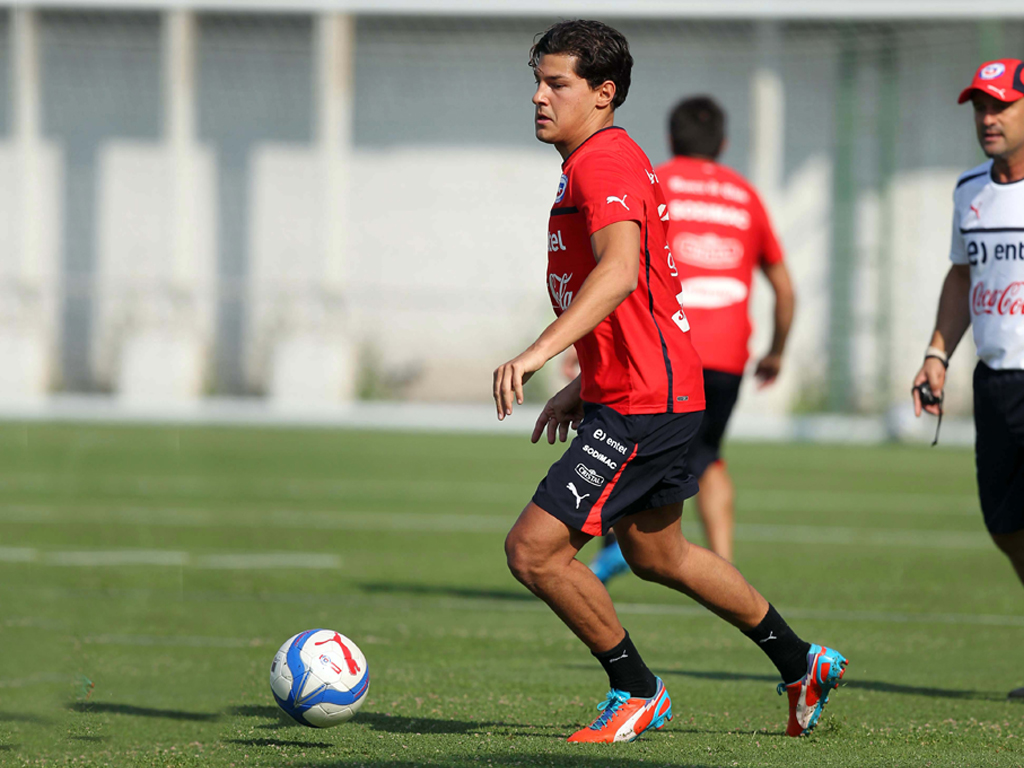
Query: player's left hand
{"type": "Point", "coordinates": [768, 370]}
{"type": "Point", "coordinates": [562, 411]}
{"type": "Point", "coordinates": [510, 377]}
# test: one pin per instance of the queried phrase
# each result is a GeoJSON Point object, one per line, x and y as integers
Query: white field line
{"type": "Point", "coordinates": [483, 605]}
{"type": "Point", "coordinates": [24, 682]}
{"type": "Point", "coordinates": [176, 641]}
{"type": "Point", "coordinates": [90, 558]}
{"type": "Point", "coordinates": [252, 561]}
{"type": "Point", "coordinates": [460, 491]}
{"type": "Point", "coordinates": [880, 617]}
{"type": "Point", "coordinates": [425, 523]}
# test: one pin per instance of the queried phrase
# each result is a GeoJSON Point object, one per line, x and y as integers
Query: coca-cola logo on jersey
{"type": "Point", "coordinates": [998, 301]}
{"type": "Point", "coordinates": [561, 297]}
{"type": "Point", "coordinates": [708, 251]}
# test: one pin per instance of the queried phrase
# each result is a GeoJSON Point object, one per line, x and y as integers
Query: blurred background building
{"type": "Point", "coordinates": [315, 202]}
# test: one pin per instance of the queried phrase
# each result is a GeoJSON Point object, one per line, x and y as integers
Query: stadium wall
{"type": "Point", "coordinates": [192, 218]}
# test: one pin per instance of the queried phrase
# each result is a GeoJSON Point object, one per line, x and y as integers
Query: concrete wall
{"type": "Point", "coordinates": [442, 272]}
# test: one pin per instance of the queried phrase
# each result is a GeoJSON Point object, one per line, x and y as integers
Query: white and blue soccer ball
{"type": "Point", "coordinates": [320, 678]}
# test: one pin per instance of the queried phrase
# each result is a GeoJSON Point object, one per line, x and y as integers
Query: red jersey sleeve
{"type": "Point", "coordinates": [770, 251]}
{"type": "Point", "coordinates": [606, 190]}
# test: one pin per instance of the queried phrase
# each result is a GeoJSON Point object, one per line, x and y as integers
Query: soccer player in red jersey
{"type": "Point", "coordinates": [636, 404]}
{"type": "Point", "coordinates": [719, 232]}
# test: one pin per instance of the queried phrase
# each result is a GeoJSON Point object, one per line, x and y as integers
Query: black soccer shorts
{"type": "Point", "coordinates": [619, 465]}
{"type": "Point", "coordinates": [999, 447]}
{"type": "Point", "coordinates": [720, 392]}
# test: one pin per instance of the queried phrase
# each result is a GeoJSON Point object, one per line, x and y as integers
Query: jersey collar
{"type": "Point", "coordinates": [595, 133]}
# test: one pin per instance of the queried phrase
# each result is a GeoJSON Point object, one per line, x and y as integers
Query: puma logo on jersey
{"type": "Point", "coordinates": [579, 499]}
{"type": "Point", "coordinates": [612, 199]}
{"type": "Point", "coordinates": [977, 211]}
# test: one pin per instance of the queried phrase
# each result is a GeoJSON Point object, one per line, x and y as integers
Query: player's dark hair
{"type": "Point", "coordinates": [697, 127]}
{"type": "Point", "coordinates": [601, 53]}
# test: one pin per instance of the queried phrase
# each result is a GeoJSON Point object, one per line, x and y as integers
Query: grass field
{"type": "Point", "coordinates": [147, 575]}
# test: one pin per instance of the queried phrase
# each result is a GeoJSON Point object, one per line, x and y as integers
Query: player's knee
{"type": "Point", "coordinates": [521, 559]}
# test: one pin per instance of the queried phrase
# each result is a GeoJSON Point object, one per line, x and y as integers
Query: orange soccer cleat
{"type": "Point", "coordinates": [809, 695]}
{"type": "Point", "coordinates": [624, 719]}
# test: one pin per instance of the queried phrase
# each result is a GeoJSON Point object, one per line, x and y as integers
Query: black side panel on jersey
{"type": "Point", "coordinates": [654, 319]}
{"type": "Point", "coordinates": [965, 179]}
{"type": "Point", "coordinates": [990, 229]}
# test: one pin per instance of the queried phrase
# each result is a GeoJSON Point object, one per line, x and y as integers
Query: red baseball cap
{"type": "Point", "coordinates": [1000, 78]}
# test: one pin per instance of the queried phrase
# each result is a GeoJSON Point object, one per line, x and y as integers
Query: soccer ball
{"type": "Point", "coordinates": [320, 678]}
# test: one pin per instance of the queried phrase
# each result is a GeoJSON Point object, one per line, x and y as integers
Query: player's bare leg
{"type": "Point", "coordinates": [1012, 545]}
{"type": "Point", "coordinates": [541, 552]}
{"type": "Point", "coordinates": [656, 550]}
{"type": "Point", "coordinates": [716, 507]}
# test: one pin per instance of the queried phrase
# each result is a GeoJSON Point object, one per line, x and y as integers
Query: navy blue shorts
{"type": "Point", "coordinates": [619, 465]}
{"type": "Point", "coordinates": [999, 447]}
{"type": "Point", "coordinates": [720, 392]}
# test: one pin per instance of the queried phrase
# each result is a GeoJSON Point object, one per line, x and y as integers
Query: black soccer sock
{"type": "Point", "coordinates": [627, 671]}
{"type": "Point", "coordinates": [787, 651]}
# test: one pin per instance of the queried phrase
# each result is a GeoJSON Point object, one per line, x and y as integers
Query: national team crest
{"type": "Point", "coordinates": [992, 71]}
{"type": "Point", "coordinates": [562, 184]}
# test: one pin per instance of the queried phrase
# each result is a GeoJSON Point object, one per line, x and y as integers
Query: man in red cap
{"type": "Point", "coordinates": [985, 287]}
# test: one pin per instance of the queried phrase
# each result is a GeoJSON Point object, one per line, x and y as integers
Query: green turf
{"type": "Point", "coordinates": [879, 552]}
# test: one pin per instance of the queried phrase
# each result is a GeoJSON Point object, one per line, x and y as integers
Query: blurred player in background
{"type": "Point", "coordinates": [985, 286]}
{"type": "Point", "coordinates": [719, 233]}
{"type": "Point", "coordinates": [636, 404]}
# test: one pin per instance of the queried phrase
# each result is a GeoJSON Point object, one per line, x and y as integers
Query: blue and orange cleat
{"type": "Point", "coordinates": [609, 563]}
{"type": "Point", "coordinates": [809, 695]}
{"type": "Point", "coordinates": [624, 719]}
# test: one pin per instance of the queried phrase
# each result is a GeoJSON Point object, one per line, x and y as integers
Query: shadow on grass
{"type": "Point", "coordinates": [863, 685]}
{"type": "Point", "coordinates": [21, 717]}
{"type": "Point", "coordinates": [279, 743]}
{"type": "Point", "coordinates": [93, 739]}
{"type": "Point", "coordinates": [128, 709]}
{"type": "Point", "coordinates": [8, 747]}
{"type": "Point", "coordinates": [443, 591]}
{"type": "Point", "coordinates": [377, 721]}
{"type": "Point", "coordinates": [581, 758]}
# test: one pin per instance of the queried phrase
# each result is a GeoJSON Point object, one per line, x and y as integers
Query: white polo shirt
{"type": "Point", "coordinates": [988, 234]}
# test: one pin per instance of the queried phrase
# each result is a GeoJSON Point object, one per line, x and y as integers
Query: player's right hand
{"type": "Point", "coordinates": [562, 411]}
{"type": "Point", "coordinates": [934, 372]}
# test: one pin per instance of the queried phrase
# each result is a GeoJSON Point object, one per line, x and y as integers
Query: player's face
{"type": "Point", "coordinates": [1000, 125]}
{"type": "Point", "coordinates": [564, 102]}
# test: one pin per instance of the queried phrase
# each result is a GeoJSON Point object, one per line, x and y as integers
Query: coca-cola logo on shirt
{"type": "Point", "coordinates": [708, 251]}
{"type": "Point", "coordinates": [998, 301]}
{"type": "Point", "coordinates": [561, 298]}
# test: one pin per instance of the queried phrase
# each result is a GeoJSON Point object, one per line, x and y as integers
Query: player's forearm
{"type": "Point", "coordinates": [611, 282]}
{"type": "Point", "coordinates": [954, 315]}
{"type": "Point", "coordinates": [785, 306]}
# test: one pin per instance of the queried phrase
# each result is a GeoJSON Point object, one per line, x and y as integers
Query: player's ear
{"type": "Point", "coordinates": [605, 94]}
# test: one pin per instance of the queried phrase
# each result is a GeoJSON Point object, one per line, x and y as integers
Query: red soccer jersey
{"type": "Point", "coordinates": [718, 231]}
{"type": "Point", "coordinates": [638, 359]}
